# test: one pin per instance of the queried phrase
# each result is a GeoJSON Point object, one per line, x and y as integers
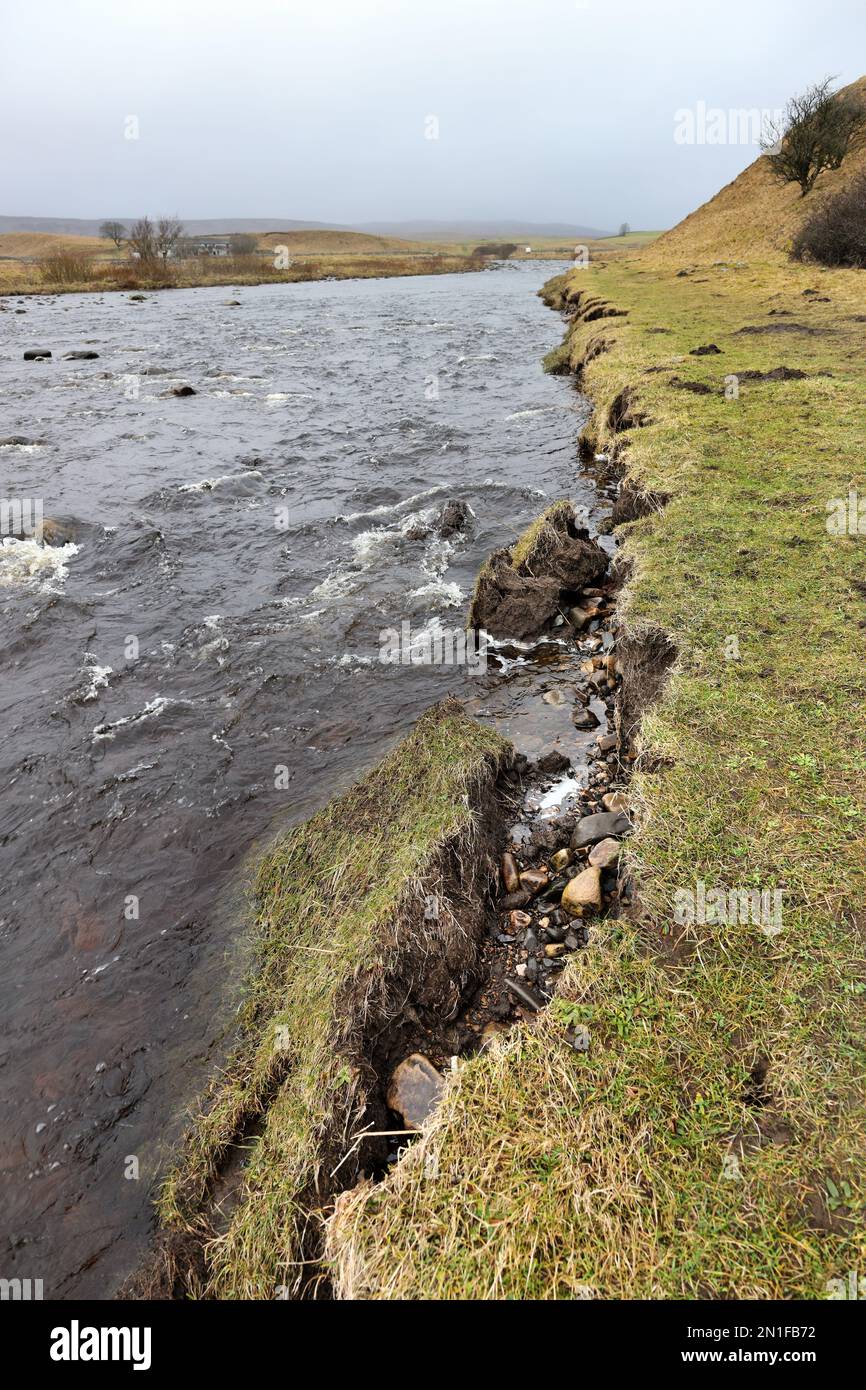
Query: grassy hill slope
{"type": "Point", "coordinates": [755, 215]}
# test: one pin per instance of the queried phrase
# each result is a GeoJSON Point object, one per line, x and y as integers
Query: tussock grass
{"type": "Point", "coordinates": [542, 535]}
{"type": "Point", "coordinates": [342, 943]}
{"type": "Point", "coordinates": [659, 1164]}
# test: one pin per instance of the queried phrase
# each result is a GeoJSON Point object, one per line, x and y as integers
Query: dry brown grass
{"type": "Point", "coordinates": [755, 215]}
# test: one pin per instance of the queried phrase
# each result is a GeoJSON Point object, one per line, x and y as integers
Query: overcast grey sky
{"type": "Point", "coordinates": [547, 109]}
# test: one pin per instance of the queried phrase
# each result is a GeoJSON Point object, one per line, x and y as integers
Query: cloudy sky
{"type": "Point", "coordinates": [548, 110]}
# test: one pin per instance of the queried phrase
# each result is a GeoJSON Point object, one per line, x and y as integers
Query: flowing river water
{"type": "Point", "coordinates": [197, 665]}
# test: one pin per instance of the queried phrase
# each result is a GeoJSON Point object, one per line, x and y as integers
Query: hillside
{"type": "Point", "coordinates": [327, 242]}
{"type": "Point", "coordinates": [28, 244]}
{"type": "Point", "coordinates": [754, 216]}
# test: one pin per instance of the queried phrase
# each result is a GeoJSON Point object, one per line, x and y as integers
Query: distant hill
{"type": "Point", "coordinates": [422, 230]}
{"type": "Point", "coordinates": [755, 216]}
{"type": "Point", "coordinates": [78, 226]}
{"type": "Point", "coordinates": [408, 231]}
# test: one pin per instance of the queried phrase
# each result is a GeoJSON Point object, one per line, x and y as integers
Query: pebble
{"type": "Point", "coordinates": [604, 854]}
{"type": "Point", "coordinates": [598, 827]}
{"type": "Point", "coordinates": [583, 719]}
{"type": "Point", "coordinates": [514, 900]}
{"type": "Point", "coordinates": [559, 860]}
{"type": "Point", "coordinates": [534, 880]}
{"type": "Point", "coordinates": [583, 891]}
{"type": "Point", "coordinates": [615, 801]}
{"type": "Point", "coordinates": [510, 876]}
{"type": "Point", "coordinates": [519, 921]}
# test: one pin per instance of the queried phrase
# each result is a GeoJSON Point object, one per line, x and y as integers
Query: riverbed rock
{"type": "Point", "coordinates": [183, 391]}
{"type": "Point", "coordinates": [583, 718]}
{"type": "Point", "coordinates": [560, 860]}
{"type": "Point", "coordinates": [80, 355]}
{"type": "Point", "coordinates": [510, 876]}
{"type": "Point", "coordinates": [602, 825]}
{"type": "Point", "coordinates": [533, 880]}
{"type": "Point", "coordinates": [605, 854]}
{"type": "Point", "coordinates": [414, 1090]}
{"type": "Point", "coordinates": [615, 801]}
{"type": "Point", "coordinates": [583, 892]}
{"type": "Point", "coordinates": [512, 900]}
{"type": "Point", "coordinates": [518, 921]}
{"type": "Point", "coordinates": [36, 354]}
{"type": "Point", "coordinates": [551, 764]}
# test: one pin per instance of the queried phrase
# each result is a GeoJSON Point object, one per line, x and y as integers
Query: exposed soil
{"type": "Point", "coordinates": [520, 601]}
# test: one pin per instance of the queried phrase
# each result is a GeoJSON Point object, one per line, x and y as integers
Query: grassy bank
{"type": "Point", "coordinates": [710, 1142]}
{"type": "Point", "coordinates": [25, 278]}
{"type": "Point", "coordinates": [368, 920]}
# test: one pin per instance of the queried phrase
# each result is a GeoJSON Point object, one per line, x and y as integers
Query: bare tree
{"type": "Point", "coordinates": [813, 135]}
{"type": "Point", "coordinates": [168, 233]}
{"type": "Point", "coordinates": [113, 231]}
{"type": "Point", "coordinates": [243, 244]}
{"type": "Point", "coordinates": [142, 240]}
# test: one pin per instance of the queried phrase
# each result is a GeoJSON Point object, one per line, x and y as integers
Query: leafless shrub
{"type": "Point", "coordinates": [813, 135]}
{"type": "Point", "coordinates": [835, 233]}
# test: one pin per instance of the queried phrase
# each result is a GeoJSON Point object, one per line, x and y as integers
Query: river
{"type": "Point", "coordinates": [198, 665]}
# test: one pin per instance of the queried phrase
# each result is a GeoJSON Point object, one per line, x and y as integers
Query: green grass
{"type": "Point", "coordinates": [337, 931]}
{"type": "Point", "coordinates": [654, 1165]}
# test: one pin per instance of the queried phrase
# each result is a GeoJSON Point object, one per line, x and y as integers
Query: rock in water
{"type": "Point", "coordinates": [414, 1089]}
{"type": "Point", "coordinates": [453, 518]}
{"type": "Point", "coordinates": [599, 827]}
{"type": "Point", "coordinates": [583, 891]}
{"type": "Point", "coordinates": [81, 356]}
{"type": "Point", "coordinates": [182, 391]}
{"type": "Point", "coordinates": [36, 354]}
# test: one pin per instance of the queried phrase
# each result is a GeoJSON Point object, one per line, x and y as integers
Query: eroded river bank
{"type": "Point", "coordinates": [198, 665]}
